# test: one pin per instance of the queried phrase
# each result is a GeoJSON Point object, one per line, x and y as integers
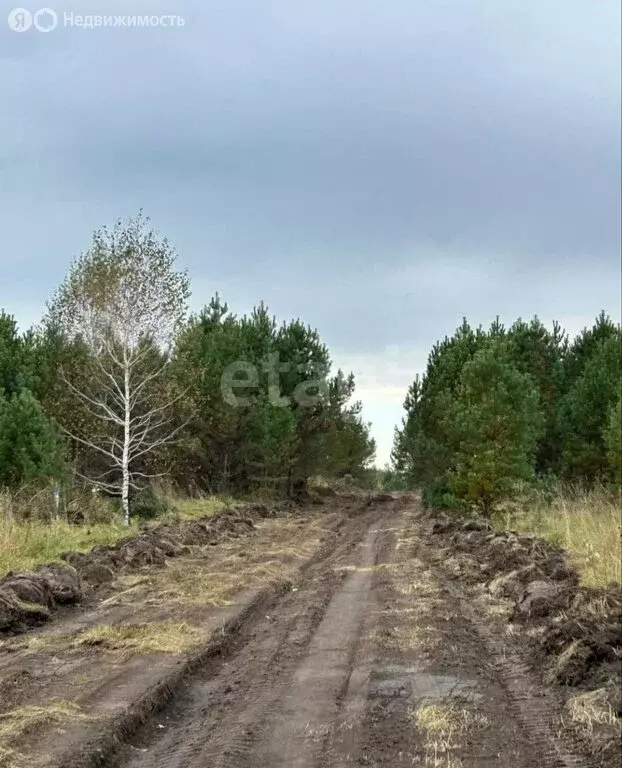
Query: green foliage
{"type": "Point", "coordinates": [55, 359]}
{"type": "Point", "coordinates": [122, 290]}
{"type": "Point", "coordinates": [613, 440]}
{"type": "Point", "coordinates": [421, 451]}
{"type": "Point", "coordinates": [218, 403]}
{"type": "Point", "coordinates": [539, 353]}
{"type": "Point", "coordinates": [468, 431]}
{"type": "Point", "coordinates": [125, 302]}
{"type": "Point", "coordinates": [147, 505]}
{"type": "Point", "coordinates": [261, 408]}
{"type": "Point", "coordinates": [30, 448]}
{"type": "Point", "coordinates": [492, 426]}
{"type": "Point", "coordinates": [12, 356]}
{"type": "Point", "coordinates": [585, 410]}
{"type": "Point", "coordinates": [387, 479]}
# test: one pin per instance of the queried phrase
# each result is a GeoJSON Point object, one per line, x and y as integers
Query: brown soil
{"type": "Point", "coordinates": [350, 635]}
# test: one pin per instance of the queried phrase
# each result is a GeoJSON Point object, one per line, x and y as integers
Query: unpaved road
{"type": "Point", "coordinates": [363, 656]}
{"type": "Point", "coordinates": [370, 662]}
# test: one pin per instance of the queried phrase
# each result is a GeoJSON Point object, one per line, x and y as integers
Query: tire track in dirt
{"type": "Point", "coordinates": [264, 685]}
{"type": "Point", "coordinates": [312, 700]}
{"type": "Point", "coordinates": [532, 704]}
{"type": "Point", "coordinates": [342, 745]}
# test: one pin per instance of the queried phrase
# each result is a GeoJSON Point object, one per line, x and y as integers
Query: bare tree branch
{"type": "Point", "coordinates": [162, 441]}
{"type": "Point", "coordinates": [90, 444]}
{"type": "Point", "coordinates": [108, 413]}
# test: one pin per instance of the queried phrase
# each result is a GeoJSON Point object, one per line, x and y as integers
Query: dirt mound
{"type": "Point", "coordinates": [152, 546]}
{"type": "Point", "coordinates": [506, 553]}
{"type": "Point", "coordinates": [584, 642]}
{"type": "Point", "coordinates": [577, 631]}
{"type": "Point", "coordinates": [29, 598]}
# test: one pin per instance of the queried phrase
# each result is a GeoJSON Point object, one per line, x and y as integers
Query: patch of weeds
{"type": "Point", "coordinates": [586, 523]}
{"type": "Point", "coordinates": [194, 581]}
{"type": "Point", "coordinates": [10, 758]}
{"type": "Point", "coordinates": [25, 545]}
{"type": "Point", "coordinates": [46, 641]}
{"type": "Point", "coordinates": [444, 725]}
{"type": "Point", "coordinates": [416, 583]}
{"type": "Point", "coordinates": [153, 637]}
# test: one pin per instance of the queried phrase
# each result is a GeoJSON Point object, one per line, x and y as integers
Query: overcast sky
{"type": "Point", "coordinates": [379, 169]}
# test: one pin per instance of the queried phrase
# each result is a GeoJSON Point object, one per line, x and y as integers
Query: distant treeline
{"type": "Point", "coordinates": [229, 404]}
{"type": "Point", "coordinates": [499, 407]}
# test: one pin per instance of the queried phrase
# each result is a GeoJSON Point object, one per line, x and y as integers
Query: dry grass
{"type": "Point", "coordinates": [413, 637]}
{"type": "Point", "coordinates": [153, 637]}
{"type": "Point", "coordinates": [196, 584]}
{"type": "Point", "coordinates": [195, 581]}
{"type": "Point", "coordinates": [587, 524]}
{"type": "Point", "coordinates": [444, 725]}
{"type": "Point", "coordinates": [592, 709]}
{"type": "Point", "coordinates": [21, 722]}
{"type": "Point", "coordinates": [366, 568]}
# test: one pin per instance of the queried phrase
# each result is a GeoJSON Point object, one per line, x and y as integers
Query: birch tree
{"type": "Point", "coordinates": [125, 300]}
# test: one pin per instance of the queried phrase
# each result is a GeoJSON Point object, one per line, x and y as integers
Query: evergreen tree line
{"type": "Point", "coordinates": [505, 406]}
{"type": "Point", "coordinates": [226, 404]}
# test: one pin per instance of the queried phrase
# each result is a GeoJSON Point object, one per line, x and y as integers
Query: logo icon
{"type": "Point", "coordinates": [45, 20]}
{"type": "Point", "coordinates": [20, 20]}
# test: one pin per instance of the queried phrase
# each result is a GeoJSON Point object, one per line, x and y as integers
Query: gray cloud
{"type": "Point", "coordinates": [378, 168]}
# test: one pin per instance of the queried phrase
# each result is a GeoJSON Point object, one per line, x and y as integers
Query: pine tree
{"type": "Point", "coordinates": [421, 447]}
{"type": "Point", "coordinates": [493, 425]}
{"type": "Point", "coordinates": [613, 440]}
{"type": "Point", "coordinates": [11, 356]}
{"type": "Point", "coordinates": [585, 410]}
{"type": "Point", "coordinates": [30, 447]}
{"type": "Point", "coordinates": [540, 353]}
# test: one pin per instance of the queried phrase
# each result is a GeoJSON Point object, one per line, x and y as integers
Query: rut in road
{"type": "Point", "coordinates": [295, 663]}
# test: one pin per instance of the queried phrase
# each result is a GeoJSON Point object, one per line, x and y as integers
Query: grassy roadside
{"type": "Point", "coordinates": [26, 544]}
{"type": "Point", "coordinates": [586, 523]}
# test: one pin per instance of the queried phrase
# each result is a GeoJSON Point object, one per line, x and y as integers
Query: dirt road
{"type": "Point", "coordinates": [370, 662]}
{"type": "Point", "coordinates": [365, 656]}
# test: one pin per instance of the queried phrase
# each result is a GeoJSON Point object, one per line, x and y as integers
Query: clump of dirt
{"type": "Point", "coordinates": [576, 631]}
{"type": "Point", "coordinates": [29, 598]}
{"type": "Point", "coordinates": [585, 638]}
{"type": "Point", "coordinates": [505, 552]}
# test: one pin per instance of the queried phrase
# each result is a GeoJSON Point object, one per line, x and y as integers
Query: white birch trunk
{"type": "Point", "coordinates": [125, 459]}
